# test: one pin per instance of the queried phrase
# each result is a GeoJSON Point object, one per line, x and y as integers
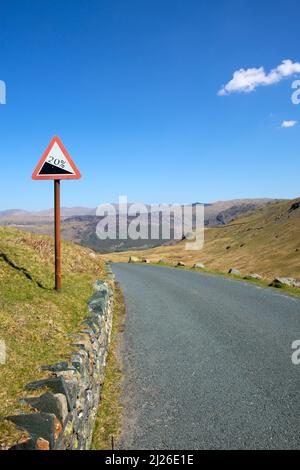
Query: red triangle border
{"type": "Point", "coordinates": [35, 174]}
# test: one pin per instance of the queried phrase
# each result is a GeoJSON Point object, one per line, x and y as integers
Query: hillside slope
{"type": "Point", "coordinates": [79, 224]}
{"type": "Point", "coordinates": [35, 321]}
{"type": "Point", "coordinates": [265, 241]}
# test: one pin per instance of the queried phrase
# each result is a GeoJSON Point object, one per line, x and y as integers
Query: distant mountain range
{"type": "Point", "coordinates": [79, 223]}
{"type": "Point", "coordinates": [19, 215]}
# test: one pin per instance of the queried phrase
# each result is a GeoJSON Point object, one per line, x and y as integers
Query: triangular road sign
{"type": "Point", "coordinates": [56, 164]}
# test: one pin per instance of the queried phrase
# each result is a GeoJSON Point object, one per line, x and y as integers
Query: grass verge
{"type": "Point", "coordinates": [108, 422]}
{"type": "Point", "coordinates": [35, 321]}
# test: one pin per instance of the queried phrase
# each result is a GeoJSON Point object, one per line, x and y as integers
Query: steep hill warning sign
{"type": "Point", "coordinates": [56, 163]}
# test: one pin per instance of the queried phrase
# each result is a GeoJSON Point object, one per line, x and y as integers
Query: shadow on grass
{"type": "Point", "coordinates": [22, 270]}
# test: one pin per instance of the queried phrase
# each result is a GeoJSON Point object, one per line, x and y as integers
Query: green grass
{"type": "Point", "coordinates": [35, 321]}
{"type": "Point", "coordinates": [108, 422]}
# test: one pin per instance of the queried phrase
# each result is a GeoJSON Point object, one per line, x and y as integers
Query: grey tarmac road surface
{"type": "Point", "coordinates": [207, 362]}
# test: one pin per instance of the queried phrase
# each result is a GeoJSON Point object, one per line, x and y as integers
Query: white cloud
{"type": "Point", "coordinates": [287, 124]}
{"type": "Point", "coordinates": [247, 80]}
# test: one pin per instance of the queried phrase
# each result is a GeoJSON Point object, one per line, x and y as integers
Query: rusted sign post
{"type": "Point", "coordinates": [56, 164]}
{"type": "Point", "coordinates": [57, 235]}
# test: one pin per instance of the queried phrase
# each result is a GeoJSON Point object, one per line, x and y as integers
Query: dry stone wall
{"type": "Point", "coordinates": [63, 415]}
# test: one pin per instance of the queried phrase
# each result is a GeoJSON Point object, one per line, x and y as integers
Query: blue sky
{"type": "Point", "coordinates": [131, 87]}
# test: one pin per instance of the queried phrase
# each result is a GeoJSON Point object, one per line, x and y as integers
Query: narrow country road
{"type": "Point", "coordinates": [207, 362]}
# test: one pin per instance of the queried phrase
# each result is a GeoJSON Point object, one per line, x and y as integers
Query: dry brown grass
{"type": "Point", "coordinates": [265, 241]}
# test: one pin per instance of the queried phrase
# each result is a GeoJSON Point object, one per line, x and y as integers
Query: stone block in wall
{"type": "Point", "coordinates": [58, 367]}
{"type": "Point", "coordinates": [79, 361]}
{"type": "Point", "coordinates": [50, 403]}
{"type": "Point", "coordinates": [84, 343]}
{"type": "Point", "coordinates": [57, 385]}
{"type": "Point", "coordinates": [39, 425]}
{"type": "Point", "coordinates": [89, 322]}
{"type": "Point", "coordinates": [32, 444]}
{"type": "Point", "coordinates": [98, 302]}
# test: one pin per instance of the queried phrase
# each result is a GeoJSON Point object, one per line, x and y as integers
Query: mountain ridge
{"type": "Point", "coordinates": [79, 223]}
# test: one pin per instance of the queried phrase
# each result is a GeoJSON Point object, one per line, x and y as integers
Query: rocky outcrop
{"type": "Point", "coordinates": [285, 282]}
{"type": "Point", "coordinates": [133, 259]}
{"type": "Point", "coordinates": [199, 266]}
{"type": "Point", "coordinates": [234, 272]}
{"type": "Point", "coordinates": [63, 417]}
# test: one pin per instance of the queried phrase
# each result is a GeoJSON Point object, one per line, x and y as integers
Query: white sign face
{"type": "Point", "coordinates": [56, 163]}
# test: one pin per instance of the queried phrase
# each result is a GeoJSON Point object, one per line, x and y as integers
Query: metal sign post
{"type": "Point", "coordinates": [57, 235]}
{"type": "Point", "coordinates": [56, 164]}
